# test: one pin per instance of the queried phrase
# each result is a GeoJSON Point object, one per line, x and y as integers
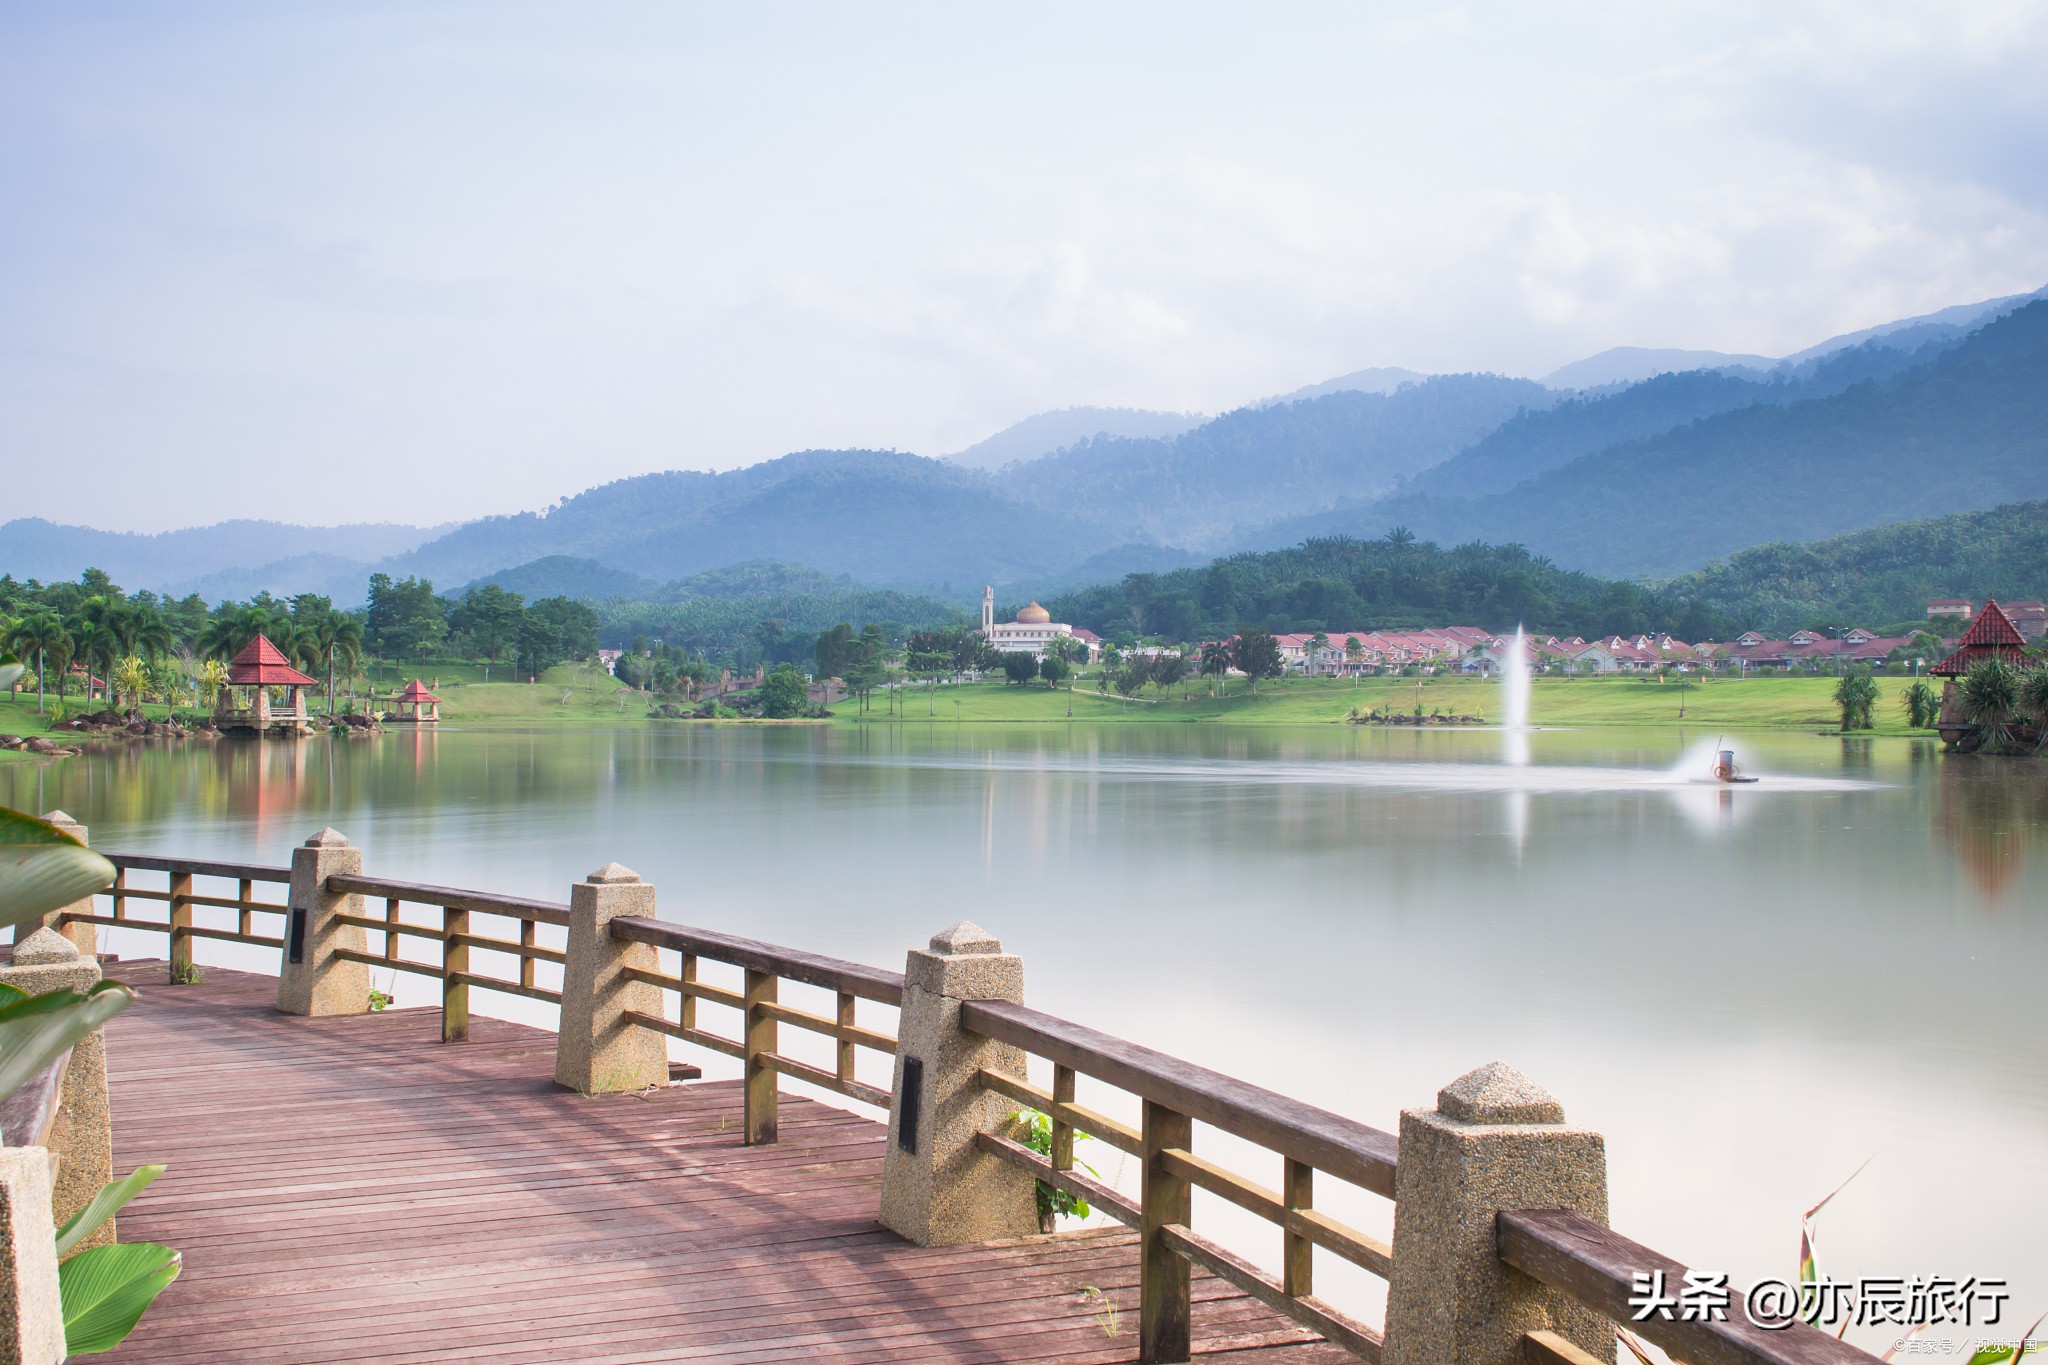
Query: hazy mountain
{"type": "Point", "coordinates": [1947, 323]}
{"type": "Point", "coordinates": [1632, 364]}
{"type": "Point", "coordinates": [566, 576]}
{"type": "Point", "coordinates": [1047, 432]}
{"type": "Point", "coordinates": [1965, 429]}
{"type": "Point", "coordinates": [1383, 379]}
{"type": "Point", "coordinates": [343, 580]}
{"type": "Point", "coordinates": [1883, 576]}
{"type": "Point", "coordinates": [880, 516]}
{"type": "Point", "coordinates": [34, 548]}
{"type": "Point", "coordinates": [1259, 463]}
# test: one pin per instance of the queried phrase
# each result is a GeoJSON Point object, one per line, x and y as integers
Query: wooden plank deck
{"type": "Point", "coordinates": [353, 1190]}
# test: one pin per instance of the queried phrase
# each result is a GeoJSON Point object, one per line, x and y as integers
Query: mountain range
{"type": "Point", "coordinates": [1654, 476]}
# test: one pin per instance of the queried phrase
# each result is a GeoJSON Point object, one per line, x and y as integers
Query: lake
{"type": "Point", "coordinates": [1749, 991]}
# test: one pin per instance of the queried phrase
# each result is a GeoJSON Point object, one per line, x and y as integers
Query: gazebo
{"type": "Point", "coordinates": [416, 706]}
{"type": "Point", "coordinates": [245, 707]}
{"type": "Point", "coordinates": [1991, 636]}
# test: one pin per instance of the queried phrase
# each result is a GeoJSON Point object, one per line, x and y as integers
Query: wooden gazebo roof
{"type": "Point", "coordinates": [261, 665]}
{"type": "Point", "coordinates": [1991, 635]}
{"type": "Point", "coordinates": [416, 691]}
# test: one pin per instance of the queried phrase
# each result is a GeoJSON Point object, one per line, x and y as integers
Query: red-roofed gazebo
{"type": "Point", "coordinates": [1991, 636]}
{"type": "Point", "coordinates": [417, 706]}
{"type": "Point", "coordinates": [245, 702]}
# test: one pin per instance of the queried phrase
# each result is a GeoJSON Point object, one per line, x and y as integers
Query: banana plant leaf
{"type": "Point", "coordinates": [35, 1029]}
{"type": "Point", "coordinates": [106, 1289]}
{"type": "Point", "coordinates": [9, 673]}
{"type": "Point", "coordinates": [104, 1205]}
{"type": "Point", "coordinates": [42, 868]}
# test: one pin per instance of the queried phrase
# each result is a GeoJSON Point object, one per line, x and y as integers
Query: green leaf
{"type": "Point", "coordinates": [9, 672]}
{"type": "Point", "coordinates": [43, 869]}
{"type": "Point", "coordinates": [108, 1202]}
{"type": "Point", "coordinates": [106, 1289]}
{"type": "Point", "coordinates": [34, 1032]}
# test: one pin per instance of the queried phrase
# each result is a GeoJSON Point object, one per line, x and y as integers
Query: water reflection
{"type": "Point", "coordinates": [1749, 990]}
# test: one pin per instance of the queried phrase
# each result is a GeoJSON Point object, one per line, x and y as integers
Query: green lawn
{"type": "Point", "coordinates": [1802, 703]}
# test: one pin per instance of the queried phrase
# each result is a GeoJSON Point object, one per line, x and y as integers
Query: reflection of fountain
{"type": "Point", "coordinates": [1514, 686]}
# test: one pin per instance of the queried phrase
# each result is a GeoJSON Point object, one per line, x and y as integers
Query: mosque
{"type": "Point", "coordinates": [1032, 631]}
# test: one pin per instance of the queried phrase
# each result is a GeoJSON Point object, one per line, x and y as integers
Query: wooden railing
{"type": "Point", "coordinates": [1175, 1095]}
{"type": "Point", "coordinates": [182, 899]}
{"type": "Point", "coordinates": [762, 1013]}
{"type": "Point", "coordinates": [1571, 1254]}
{"type": "Point", "coordinates": [1597, 1266]}
{"type": "Point", "coordinates": [456, 933]}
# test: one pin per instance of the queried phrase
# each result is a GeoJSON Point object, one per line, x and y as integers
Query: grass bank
{"type": "Point", "coordinates": [1745, 703]}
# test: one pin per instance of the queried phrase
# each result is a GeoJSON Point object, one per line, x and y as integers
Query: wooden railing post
{"type": "Point", "coordinates": [454, 964]}
{"type": "Point", "coordinates": [939, 1188]}
{"type": "Point", "coordinates": [758, 1038]}
{"type": "Point", "coordinates": [314, 979]}
{"type": "Point", "coordinates": [1496, 1140]}
{"type": "Point", "coordinates": [598, 1050]}
{"type": "Point", "coordinates": [1163, 1274]}
{"type": "Point", "coordinates": [1297, 1192]}
{"type": "Point", "coordinates": [180, 907]}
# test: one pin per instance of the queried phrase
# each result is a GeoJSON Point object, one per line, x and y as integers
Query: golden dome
{"type": "Point", "coordinates": [1033, 615]}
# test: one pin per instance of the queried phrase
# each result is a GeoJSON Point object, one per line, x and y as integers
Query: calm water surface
{"type": "Point", "coordinates": [1749, 991]}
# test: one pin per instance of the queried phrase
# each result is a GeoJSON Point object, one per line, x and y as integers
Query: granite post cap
{"type": "Point", "coordinates": [328, 838]}
{"type": "Point", "coordinates": [59, 817]}
{"type": "Point", "coordinates": [965, 939]}
{"type": "Point", "coordinates": [1497, 1093]}
{"type": "Point", "coordinates": [612, 874]}
{"type": "Point", "coordinates": [43, 947]}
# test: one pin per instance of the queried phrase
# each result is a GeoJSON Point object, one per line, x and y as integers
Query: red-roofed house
{"type": "Point", "coordinates": [244, 705]}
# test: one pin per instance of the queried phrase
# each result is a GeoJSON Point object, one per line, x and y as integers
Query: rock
{"type": "Point", "coordinates": [36, 744]}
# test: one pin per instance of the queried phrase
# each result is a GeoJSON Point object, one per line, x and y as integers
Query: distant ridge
{"type": "Point", "coordinates": [1046, 432]}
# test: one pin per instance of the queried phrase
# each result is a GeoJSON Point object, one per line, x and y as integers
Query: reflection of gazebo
{"type": "Point", "coordinates": [416, 706]}
{"type": "Point", "coordinates": [1991, 636]}
{"type": "Point", "coordinates": [245, 701]}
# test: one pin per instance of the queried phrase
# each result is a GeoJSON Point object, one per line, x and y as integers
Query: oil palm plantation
{"type": "Point", "coordinates": [230, 632]}
{"type": "Point", "coordinates": [41, 633]}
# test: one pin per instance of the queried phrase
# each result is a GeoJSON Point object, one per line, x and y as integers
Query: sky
{"type": "Point", "coordinates": [421, 262]}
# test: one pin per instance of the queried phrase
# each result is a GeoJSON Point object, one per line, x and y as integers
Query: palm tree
{"type": "Point", "coordinates": [229, 633]}
{"type": "Point", "coordinates": [1920, 705]}
{"type": "Point", "coordinates": [1317, 643]}
{"type": "Point", "coordinates": [44, 633]}
{"type": "Point", "coordinates": [2034, 696]}
{"type": "Point", "coordinates": [338, 635]}
{"type": "Point", "coordinates": [212, 680]}
{"type": "Point", "coordinates": [131, 676]}
{"type": "Point", "coordinates": [1991, 698]}
{"type": "Point", "coordinates": [1856, 694]}
{"type": "Point", "coordinates": [93, 643]}
{"type": "Point", "coordinates": [1354, 654]}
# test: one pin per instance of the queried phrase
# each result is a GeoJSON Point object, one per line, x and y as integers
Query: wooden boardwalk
{"type": "Point", "coordinates": [353, 1190]}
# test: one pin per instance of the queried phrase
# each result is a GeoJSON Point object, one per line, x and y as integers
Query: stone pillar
{"type": "Point", "coordinates": [31, 1316]}
{"type": "Point", "coordinates": [938, 1188]}
{"type": "Point", "coordinates": [84, 936]}
{"type": "Point", "coordinates": [1496, 1140]}
{"type": "Point", "coordinates": [319, 982]}
{"type": "Point", "coordinates": [598, 1050]}
{"type": "Point", "coordinates": [82, 1138]}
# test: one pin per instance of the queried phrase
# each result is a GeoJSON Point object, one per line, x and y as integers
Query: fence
{"type": "Point", "coordinates": [1500, 1247]}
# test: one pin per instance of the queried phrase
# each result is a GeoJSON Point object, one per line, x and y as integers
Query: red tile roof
{"type": "Point", "coordinates": [416, 691]}
{"type": "Point", "coordinates": [1991, 635]}
{"type": "Point", "coordinates": [260, 664]}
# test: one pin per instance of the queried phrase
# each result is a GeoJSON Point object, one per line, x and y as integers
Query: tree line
{"type": "Point", "coordinates": [144, 646]}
